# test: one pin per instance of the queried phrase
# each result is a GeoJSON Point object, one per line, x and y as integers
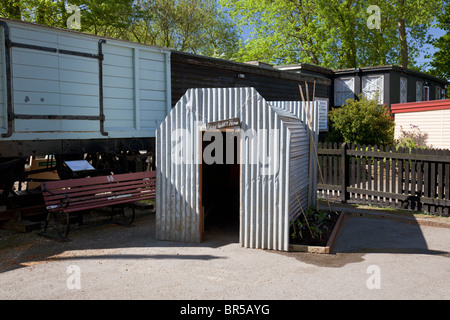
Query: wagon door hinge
{"type": "Point", "coordinates": [100, 84]}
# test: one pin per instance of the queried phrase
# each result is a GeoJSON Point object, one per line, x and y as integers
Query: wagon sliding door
{"type": "Point", "coordinates": [48, 74]}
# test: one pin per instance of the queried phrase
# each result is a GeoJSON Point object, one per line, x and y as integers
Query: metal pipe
{"type": "Point", "coordinates": [100, 84]}
{"type": "Point", "coordinates": [9, 103]}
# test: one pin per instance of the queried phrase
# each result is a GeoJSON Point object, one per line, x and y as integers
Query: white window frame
{"type": "Point", "coordinates": [344, 88]}
{"type": "Point", "coordinates": [437, 94]}
{"type": "Point", "coordinates": [403, 90]}
{"type": "Point", "coordinates": [372, 84]}
{"type": "Point", "coordinates": [323, 113]}
{"type": "Point", "coordinates": [426, 93]}
{"type": "Point", "coordinates": [419, 91]}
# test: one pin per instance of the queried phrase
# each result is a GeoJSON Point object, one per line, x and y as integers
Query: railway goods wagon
{"type": "Point", "coordinates": [77, 96]}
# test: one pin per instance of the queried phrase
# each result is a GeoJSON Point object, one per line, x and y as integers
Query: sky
{"type": "Point", "coordinates": [428, 49]}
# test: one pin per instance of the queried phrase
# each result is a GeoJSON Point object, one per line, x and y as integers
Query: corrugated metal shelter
{"type": "Point", "coordinates": [431, 117]}
{"type": "Point", "coordinates": [276, 174]}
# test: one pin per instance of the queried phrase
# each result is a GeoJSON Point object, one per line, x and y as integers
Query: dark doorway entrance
{"type": "Point", "coordinates": [220, 176]}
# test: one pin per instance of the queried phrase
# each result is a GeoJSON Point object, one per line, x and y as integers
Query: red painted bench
{"type": "Point", "coordinates": [64, 197]}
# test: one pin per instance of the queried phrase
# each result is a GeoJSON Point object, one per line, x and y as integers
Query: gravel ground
{"type": "Point", "coordinates": [409, 261]}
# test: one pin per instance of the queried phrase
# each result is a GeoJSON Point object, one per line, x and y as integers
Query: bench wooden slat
{"type": "Point", "coordinates": [94, 187]}
{"type": "Point", "coordinates": [80, 192]}
{"type": "Point", "coordinates": [68, 196]}
{"type": "Point", "coordinates": [103, 199]}
{"type": "Point", "coordinates": [92, 181]}
{"type": "Point", "coordinates": [96, 205]}
{"type": "Point", "coordinates": [82, 182]}
{"type": "Point", "coordinates": [103, 196]}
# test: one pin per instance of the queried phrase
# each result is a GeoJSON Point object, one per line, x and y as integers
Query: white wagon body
{"type": "Point", "coordinates": [59, 84]}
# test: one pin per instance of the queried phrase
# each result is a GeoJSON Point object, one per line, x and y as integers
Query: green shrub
{"type": "Point", "coordinates": [363, 121]}
{"type": "Point", "coordinates": [412, 139]}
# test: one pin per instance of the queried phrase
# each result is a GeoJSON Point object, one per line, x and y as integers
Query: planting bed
{"type": "Point", "coordinates": [322, 244]}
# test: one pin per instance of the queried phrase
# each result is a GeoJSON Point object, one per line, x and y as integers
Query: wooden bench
{"type": "Point", "coordinates": [64, 197]}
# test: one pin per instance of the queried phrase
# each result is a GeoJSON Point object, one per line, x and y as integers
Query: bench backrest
{"type": "Point", "coordinates": [87, 193]}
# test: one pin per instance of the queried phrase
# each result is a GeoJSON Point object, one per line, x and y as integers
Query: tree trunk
{"type": "Point", "coordinates": [402, 36]}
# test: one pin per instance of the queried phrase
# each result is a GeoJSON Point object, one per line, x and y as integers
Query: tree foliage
{"type": "Point", "coordinates": [196, 26]}
{"type": "Point", "coordinates": [333, 33]}
{"type": "Point", "coordinates": [363, 121]}
{"type": "Point", "coordinates": [441, 59]}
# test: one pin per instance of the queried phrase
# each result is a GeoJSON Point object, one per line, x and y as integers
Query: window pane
{"type": "Point", "coordinates": [373, 85]}
{"type": "Point", "coordinates": [419, 88]}
{"type": "Point", "coordinates": [403, 90]}
{"type": "Point", "coordinates": [344, 89]}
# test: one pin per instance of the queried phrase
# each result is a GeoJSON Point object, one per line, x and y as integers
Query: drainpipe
{"type": "Point", "coordinates": [9, 103]}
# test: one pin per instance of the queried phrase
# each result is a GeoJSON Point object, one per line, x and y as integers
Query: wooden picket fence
{"type": "Point", "coordinates": [417, 179]}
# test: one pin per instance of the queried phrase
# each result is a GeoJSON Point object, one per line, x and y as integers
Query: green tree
{"type": "Point", "coordinates": [196, 26]}
{"type": "Point", "coordinates": [108, 18]}
{"type": "Point", "coordinates": [413, 19]}
{"type": "Point", "coordinates": [282, 31]}
{"type": "Point", "coordinates": [11, 9]}
{"type": "Point", "coordinates": [441, 58]}
{"type": "Point", "coordinates": [363, 121]}
{"type": "Point", "coordinates": [333, 33]}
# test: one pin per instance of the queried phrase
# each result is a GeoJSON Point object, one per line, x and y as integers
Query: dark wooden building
{"type": "Point", "coordinates": [392, 83]}
{"type": "Point", "coordinates": [194, 71]}
{"type": "Point", "coordinates": [331, 88]}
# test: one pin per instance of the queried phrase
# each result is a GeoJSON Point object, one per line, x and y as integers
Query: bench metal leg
{"type": "Point", "coordinates": [61, 230]}
{"type": "Point", "coordinates": [126, 221]}
{"type": "Point", "coordinates": [133, 207]}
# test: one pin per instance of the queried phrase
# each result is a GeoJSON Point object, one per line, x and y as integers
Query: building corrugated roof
{"type": "Point", "coordinates": [420, 106]}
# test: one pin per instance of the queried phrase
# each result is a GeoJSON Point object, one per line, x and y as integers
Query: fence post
{"type": "Point", "coordinates": [345, 173]}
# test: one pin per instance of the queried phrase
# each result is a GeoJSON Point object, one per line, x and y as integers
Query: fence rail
{"type": "Point", "coordinates": [417, 179]}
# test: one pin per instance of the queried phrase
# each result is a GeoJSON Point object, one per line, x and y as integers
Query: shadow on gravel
{"type": "Point", "coordinates": [359, 235]}
{"type": "Point", "coordinates": [140, 257]}
{"type": "Point", "coordinates": [18, 250]}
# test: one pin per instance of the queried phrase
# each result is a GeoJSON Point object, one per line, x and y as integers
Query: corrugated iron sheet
{"type": "Point", "coordinates": [267, 197]}
{"type": "Point", "coordinates": [303, 153]}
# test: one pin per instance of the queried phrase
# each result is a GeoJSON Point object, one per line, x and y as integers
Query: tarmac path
{"type": "Point", "coordinates": [375, 257]}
